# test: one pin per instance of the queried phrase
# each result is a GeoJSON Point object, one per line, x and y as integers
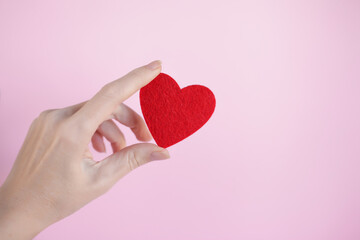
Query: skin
{"type": "Point", "coordinates": [55, 174]}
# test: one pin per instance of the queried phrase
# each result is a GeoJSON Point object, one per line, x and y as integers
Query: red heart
{"type": "Point", "coordinates": [172, 114]}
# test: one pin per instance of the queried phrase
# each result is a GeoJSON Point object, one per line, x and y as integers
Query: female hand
{"type": "Point", "coordinates": [54, 173]}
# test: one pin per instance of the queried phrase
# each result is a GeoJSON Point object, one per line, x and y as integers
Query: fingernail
{"type": "Point", "coordinates": [154, 65]}
{"type": "Point", "coordinates": [160, 155]}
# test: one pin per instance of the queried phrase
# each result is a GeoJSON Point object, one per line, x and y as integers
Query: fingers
{"type": "Point", "coordinates": [125, 115]}
{"type": "Point", "coordinates": [108, 129]}
{"type": "Point", "coordinates": [101, 107]}
{"type": "Point", "coordinates": [98, 142]}
{"type": "Point", "coordinates": [121, 163]}
{"type": "Point", "coordinates": [112, 133]}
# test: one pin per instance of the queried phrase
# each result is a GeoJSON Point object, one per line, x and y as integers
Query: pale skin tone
{"type": "Point", "coordinates": [55, 174]}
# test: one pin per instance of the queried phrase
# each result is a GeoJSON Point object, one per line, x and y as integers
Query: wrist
{"type": "Point", "coordinates": [15, 226]}
{"type": "Point", "coordinates": [17, 220]}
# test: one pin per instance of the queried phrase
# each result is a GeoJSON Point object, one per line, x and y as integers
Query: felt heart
{"type": "Point", "coordinates": [172, 114]}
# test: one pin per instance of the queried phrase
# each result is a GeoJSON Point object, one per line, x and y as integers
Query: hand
{"type": "Point", "coordinates": [55, 174]}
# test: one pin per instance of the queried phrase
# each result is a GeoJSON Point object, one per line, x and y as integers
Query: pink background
{"type": "Point", "coordinates": [278, 160]}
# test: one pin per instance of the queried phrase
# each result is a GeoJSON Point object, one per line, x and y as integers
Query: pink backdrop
{"type": "Point", "coordinates": [278, 160]}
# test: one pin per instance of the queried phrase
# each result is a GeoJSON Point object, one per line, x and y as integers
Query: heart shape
{"type": "Point", "coordinates": [173, 114]}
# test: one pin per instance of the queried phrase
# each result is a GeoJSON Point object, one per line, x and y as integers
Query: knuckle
{"type": "Point", "coordinates": [132, 160]}
{"type": "Point", "coordinates": [108, 90]}
{"type": "Point", "coordinates": [49, 115]}
{"type": "Point", "coordinates": [83, 127]}
{"type": "Point", "coordinates": [79, 124]}
{"type": "Point", "coordinates": [43, 114]}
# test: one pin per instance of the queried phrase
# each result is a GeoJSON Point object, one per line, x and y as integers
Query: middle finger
{"type": "Point", "coordinates": [128, 117]}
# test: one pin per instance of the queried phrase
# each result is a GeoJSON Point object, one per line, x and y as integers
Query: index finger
{"type": "Point", "coordinates": [101, 106]}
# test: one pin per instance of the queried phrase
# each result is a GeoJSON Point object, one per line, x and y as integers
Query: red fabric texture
{"type": "Point", "coordinates": [173, 114]}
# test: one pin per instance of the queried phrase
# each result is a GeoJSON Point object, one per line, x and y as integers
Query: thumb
{"type": "Point", "coordinates": [117, 165]}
